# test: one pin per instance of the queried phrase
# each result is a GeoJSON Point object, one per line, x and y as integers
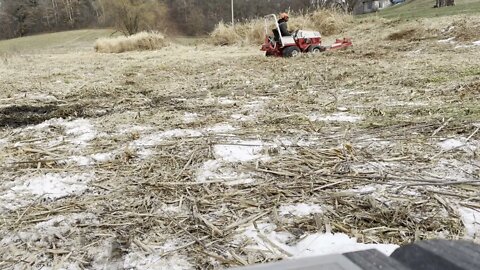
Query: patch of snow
{"type": "Point", "coordinates": [356, 93]}
{"type": "Point", "coordinates": [239, 151]}
{"type": "Point", "coordinates": [477, 43]}
{"type": "Point", "coordinates": [139, 261]}
{"type": "Point", "coordinates": [55, 230]}
{"type": "Point", "coordinates": [463, 46]}
{"type": "Point", "coordinates": [80, 131]}
{"type": "Point", "coordinates": [256, 105]}
{"type": "Point", "coordinates": [214, 170]}
{"type": "Point", "coordinates": [365, 190]}
{"type": "Point", "coordinates": [51, 186]}
{"type": "Point", "coordinates": [300, 209]}
{"type": "Point", "coordinates": [471, 220]}
{"type": "Point", "coordinates": [242, 117]}
{"type": "Point", "coordinates": [448, 40]}
{"type": "Point", "coordinates": [312, 245]}
{"type": "Point", "coordinates": [336, 117]}
{"type": "Point", "coordinates": [220, 128]}
{"type": "Point", "coordinates": [458, 143]}
{"type": "Point", "coordinates": [80, 160]}
{"type": "Point", "coordinates": [404, 103]}
{"type": "Point", "coordinates": [190, 117]}
{"type": "Point", "coordinates": [450, 144]}
{"type": "Point", "coordinates": [123, 129]}
{"type": "Point", "coordinates": [3, 143]}
{"type": "Point", "coordinates": [169, 208]}
{"type": "Point", "coordinates": [156, 138]}
{"type": "Point", "coordinates": [208, 170]}
{"type": "Point", "coordinates": [225, 101]}
{"type": "Point", "coordinates": [452, 169]}
{"type": "Point", "coordinates": [338, 243]}
{"type": "Point", "coordinates": [103, 157]}
{"type": "Point", "coordinates": [90, 160]}
{"type": "Point", "coordinates": [54, 186]}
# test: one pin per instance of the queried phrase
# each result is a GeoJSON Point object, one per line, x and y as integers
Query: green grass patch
{"type": "Point", "coordinates": [69, 39]}
{"type": "Point", "coordinates": [424, 9]}
{"type": "Point", "coordinates": [471, 71]}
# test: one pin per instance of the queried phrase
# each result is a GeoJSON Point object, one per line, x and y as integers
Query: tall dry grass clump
{"type": "Point", "coordinates": [330, 22]}
{"type": "Point", "coordinates": [224, 35]}
{"type": "Point", "coordinates": [142, 41]}
{"type": "Point", "coordinates": [327, 22]}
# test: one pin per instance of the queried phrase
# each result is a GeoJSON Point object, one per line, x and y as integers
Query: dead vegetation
{"type": "Point", "coordinates": [138, 42]}
{"type": "Point", "coordinates": [389, 154]}
{"type": "Point", "coordinates": [253, 32]}
{"type": "Point", "coordinates": [463, 30]}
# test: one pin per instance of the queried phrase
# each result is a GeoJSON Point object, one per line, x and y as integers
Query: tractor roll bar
{"type": "Point", "coordinates": [276, 25]}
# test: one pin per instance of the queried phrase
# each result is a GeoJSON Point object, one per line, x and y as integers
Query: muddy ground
{"type": "Point", "coordinates": [187, 157]}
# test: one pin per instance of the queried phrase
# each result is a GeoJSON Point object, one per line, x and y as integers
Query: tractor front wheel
{"type": "Point", "coordinates": [292, 51]}
{"type": "Point", "coordinates": [316, 49]}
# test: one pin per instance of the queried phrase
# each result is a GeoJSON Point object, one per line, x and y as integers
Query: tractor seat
{"type": "Point", "coordinates": [276, 35]}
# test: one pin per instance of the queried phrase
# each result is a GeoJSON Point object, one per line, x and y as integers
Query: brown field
{"type": "Point", "coordinates": [188, 156]}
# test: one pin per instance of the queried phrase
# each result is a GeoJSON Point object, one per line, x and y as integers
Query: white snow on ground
{"type": "Point", "coordinates": [471, 220]}
{"type": "Point", "coordinates": [226, 101]}
{"type": "Point", "coordinates": [239, 151]}
{"type": "Point", "coordinates": [140, 261]}
{"type": "Point", "coordinates": [300, 209]}
{"type": "Point", "coordinates": [448, 40]}
{"type": "Point", "coordinates": [79, 131]}
{"type": "Point", "coordinates": [3, 143]}
{"type": "Point", "coordinates": [43, 233]}
{"type": "Point", "coordinates": [450, 144]}
{"type": "Point", "coordinates": [336, 117]}
{"type": "Point", "coordinates": [91, 159]}
{"type": "Point", "coordinates": [221, 168]}
{"type": "Point", "coordinates": [250, 111]}
{"type": "Point", "coordinates": [452, 169]}
{"type": "Point", "coordinates": [242, 117]}
{"type": "Point", "coordinates": [215, 170]}
{"type": "Point", "coordinates": [103, 157]}
{"type": "Point", "coordinates": [190, 117]}
{"type": "Point", "coordinates": [52, 186]}
{"type": "Point", "coordinates": [129, 129]}
{"type": "Point", "coordinates": [208, 171]}
{"type": "Point", "coordinates": [405, 103]}
{"type": "Point", "coordinates": [156, 138]}
{"type": "Point", "coordinates": [459, 143]}
{"type": "Point", "coordinates": [477, 43]}
{"type": "Point", "coordinates": [311, 245]}
{"type": "Point", "coordinates": [220, 128]}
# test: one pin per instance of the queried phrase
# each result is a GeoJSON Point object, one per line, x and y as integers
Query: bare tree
{"type": "Point", "coordinates": [444, 3]}
{"type": "Point", "coordinates": [132, 16]}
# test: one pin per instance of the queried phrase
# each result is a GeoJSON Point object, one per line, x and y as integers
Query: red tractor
{"type": "Point", "coordinates": [300, 42]}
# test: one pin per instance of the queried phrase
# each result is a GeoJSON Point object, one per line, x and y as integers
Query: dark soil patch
{"type": "Point", "coordinates": [18, 116]}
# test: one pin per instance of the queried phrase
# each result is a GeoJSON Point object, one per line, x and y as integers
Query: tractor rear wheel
{"type": "Point", "coordinates": [292, 51]}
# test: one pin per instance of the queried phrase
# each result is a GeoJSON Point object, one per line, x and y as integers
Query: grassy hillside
{"type": "Point", "coordinates": [56, 41]}
{"type": "Point", "coordinates": [424, 8]}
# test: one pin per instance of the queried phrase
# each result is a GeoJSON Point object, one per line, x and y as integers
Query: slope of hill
{"type": "Point", "coordinates": [67, 40]}
{"type": "Point", "coordinates": [424, 8]}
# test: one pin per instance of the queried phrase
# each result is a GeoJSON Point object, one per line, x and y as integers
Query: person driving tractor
{"type": "Point", "coordinates": [282, 24]}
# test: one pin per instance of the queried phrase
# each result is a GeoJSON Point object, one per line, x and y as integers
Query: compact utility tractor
{"type": "Point", "coordinates": [300, 42]}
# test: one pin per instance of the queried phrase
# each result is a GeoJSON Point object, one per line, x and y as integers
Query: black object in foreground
{"type": "Point", "coordinates": [423, 255]}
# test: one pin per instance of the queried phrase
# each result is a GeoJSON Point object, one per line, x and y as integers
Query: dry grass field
{"type": "Point", "coordinates": [205, 157]}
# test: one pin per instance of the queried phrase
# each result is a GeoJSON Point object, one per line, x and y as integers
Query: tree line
{"type": "Point", "coordinates": [190, 17]}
